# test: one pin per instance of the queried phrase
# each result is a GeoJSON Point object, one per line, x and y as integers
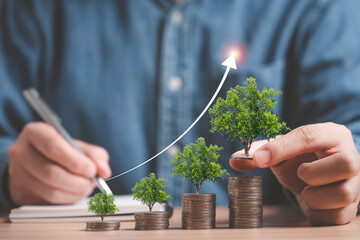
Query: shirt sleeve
{"type": "Point", "coordinates": [6, 203]}
{"type": "Point", "coordinates": [324, 74]}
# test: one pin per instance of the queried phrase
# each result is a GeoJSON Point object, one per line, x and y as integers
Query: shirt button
{"type": "Point", "coordinates": [175, 83]}
{"type": "Point", "coordinates": [173, 150]}
{"type": "Point", "coordinates": [177, 17]}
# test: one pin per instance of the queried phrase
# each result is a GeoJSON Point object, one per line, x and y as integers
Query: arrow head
{"type": "Point", "coordinates": [230, 62]}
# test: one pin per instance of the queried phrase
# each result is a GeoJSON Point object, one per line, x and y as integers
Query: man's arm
{"type": "Point", "coordinates": [35, 154]}
{"type": "Point", "coordinates": [18, 63]}
{"type": "Point", "coordinates": [325, 69]}
{"type": "Point", "coordinates": [319, 163]}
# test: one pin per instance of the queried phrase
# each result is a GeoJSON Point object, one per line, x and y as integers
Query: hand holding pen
{"type": "Point", "coordinates": [45, 169]}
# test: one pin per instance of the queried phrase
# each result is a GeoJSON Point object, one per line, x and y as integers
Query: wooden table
{"type": "Point", "coordinates": [279, 223]}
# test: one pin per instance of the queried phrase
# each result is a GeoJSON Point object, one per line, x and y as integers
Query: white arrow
{"type": "Point", "coordinates": [229, 63]}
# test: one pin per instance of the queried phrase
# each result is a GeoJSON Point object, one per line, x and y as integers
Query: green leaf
{"type": "Point", "coordinates": [150, 191]}
{"type": "Point", "coordinates": [102, 204]}
{"type": "Point", "coordinates": [198, 163]}
{"type": "Point", "coordinates": [247, 114]}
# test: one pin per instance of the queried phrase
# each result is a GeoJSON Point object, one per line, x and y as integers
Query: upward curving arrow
{"type": "Point", "coordinates": [229, 63]}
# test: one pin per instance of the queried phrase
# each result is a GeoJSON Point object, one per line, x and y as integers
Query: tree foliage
{"type": "Point", "coordinates": [198, 163]}
{"type": "Point", "coordinates": [102, 204]}
{"type": "Point", "coordinates": [247, 114]}
{"type": "Point", "coordinates": [150, 191]}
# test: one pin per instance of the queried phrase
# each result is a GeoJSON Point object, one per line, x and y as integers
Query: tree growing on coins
{"type": "Point", "coordinates": [247, 114]}
{"type": "Point", "coordinates": [102, 204]}
{"type": "Point", "coordinates": [150, 190]}
{"type": "Point", "coordinates": [198, 163]}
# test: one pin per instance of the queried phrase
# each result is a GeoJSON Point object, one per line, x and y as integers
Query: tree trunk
{"type": "Point", "coordinates": [197, 189]}
{"type": "Point", "coordinates": [102, 218]}
{"type": "Point", "coordinates": [247, 150]}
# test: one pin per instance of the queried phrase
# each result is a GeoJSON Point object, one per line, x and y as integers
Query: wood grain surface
{"type": "Point", "coordinates": [279, 223]}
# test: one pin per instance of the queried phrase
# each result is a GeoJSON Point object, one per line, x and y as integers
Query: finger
{"type": "Point", "coordinates": [245, 165]}
{"type": "Point", "coordinates": [305, 139]}
{"type": "Point", "coordinates": [40, 193]}
{"type": "Point", "coordinates": [332, 196]}
{"type": "Point", "coordinates": [333, 216]}
{"type": "Point", "coordinates": [254, 146]}
{"type": "Point", "coordinates": [53, 175]}
{"type": "Point", "coordinates": [54, 195]}
{"type": "Point", "coordinates": [285, 172]}
{"type": "Point", "coordinates": [240, 164]}
{"type": "Point", "coordinates": [49, 142]}
{"type": "Point", "coordinates": [99, 155]}
{"type": "Point", "coordinates": [21, 194]}
{"type": "Point", "coordinates": [334, 168]}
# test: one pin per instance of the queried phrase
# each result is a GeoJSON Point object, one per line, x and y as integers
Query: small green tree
{"type": "Point", "coordinates": [102, 204]}
{"type": "Point", "coordinates": [150, 191]}
{"type": "Point", "coordinates": [198, 163]}
{"type": "Point", "coordinates": [247, 114]}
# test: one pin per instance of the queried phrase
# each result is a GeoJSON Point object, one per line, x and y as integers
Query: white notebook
{"type": "Point", "coordinates": [78, 212]}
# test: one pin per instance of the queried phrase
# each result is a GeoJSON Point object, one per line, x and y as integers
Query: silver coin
{"type": "Point", "coordinates": [198, 211]}
{"type": "Point", "coordinates": [245, 202]}
{"type": "Point", "coordinates": [102, 226]}
{"type": "Point", "coordinates": [151, 221]}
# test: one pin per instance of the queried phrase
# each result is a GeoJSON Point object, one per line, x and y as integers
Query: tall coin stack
{"type": "Point", "coordinates": [151, 221]}
{"type": "Point", "coordinates": [198, 211]}
{"type": "Point", "coordinates": [245, 202]}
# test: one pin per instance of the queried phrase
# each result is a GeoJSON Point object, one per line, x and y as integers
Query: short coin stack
{"type": "Point", "coordinates": [102, 226]}
{"type": "Point", "coordinates": [245, 202]}
{"type": "Point", "coordinates": [151, 221]}
{"type": "Point", "coordinates": [198, 211]}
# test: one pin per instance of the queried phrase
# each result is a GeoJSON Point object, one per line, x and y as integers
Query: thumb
{"type": "Point", "coordinates": [99, 155]}
{"type": "Point", "coordinates": [241, 165]}
{"type": "Point", "coordinates": [304, 139]}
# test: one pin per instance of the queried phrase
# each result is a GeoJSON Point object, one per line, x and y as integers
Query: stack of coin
{"type": "Point", "coordinates": [151, 221]}
{"type": "Point", "coordinates": [102, 226]}
{"type": "Point", "coordinates": [198, 211]}
{"type": "Point", "coordinates": [245, 202]}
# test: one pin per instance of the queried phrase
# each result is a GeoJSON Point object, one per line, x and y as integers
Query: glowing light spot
{"type": "Point", "coordinates": [237, 50]}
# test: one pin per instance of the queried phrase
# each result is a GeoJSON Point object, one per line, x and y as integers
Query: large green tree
{"type": "Point", "coordinates": [198, 163]}
{"type": "Point", "coordinates": [102, 204]}
{"type": "Point", "coordinates": [247, 114]}
{"type": "Point", "coordinates": [150, 190]}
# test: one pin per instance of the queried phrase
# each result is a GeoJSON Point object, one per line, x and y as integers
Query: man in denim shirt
{"type": "Point", "coordinates": [131, 76]}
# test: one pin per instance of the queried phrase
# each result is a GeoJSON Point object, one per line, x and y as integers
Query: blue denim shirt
{"type": "Point", "coordinates": [132, 75]}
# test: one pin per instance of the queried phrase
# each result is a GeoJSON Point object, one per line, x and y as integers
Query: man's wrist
{"type": "Point", "coordinates": [6, 202]}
